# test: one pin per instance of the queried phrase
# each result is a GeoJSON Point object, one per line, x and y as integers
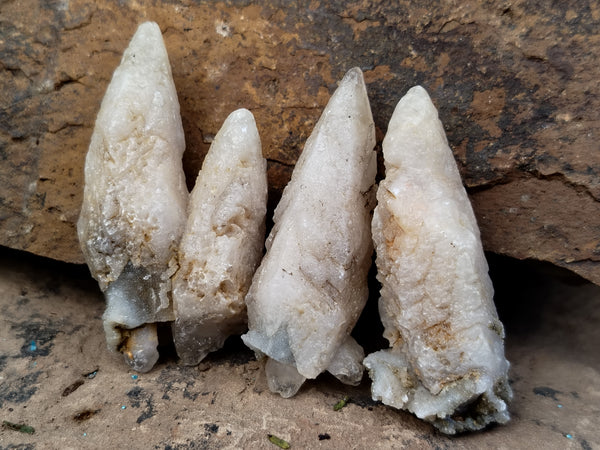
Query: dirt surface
{"type": "Point", "coordinates": [516, 84]}
{"type": "Point", "coordinates": [57, 376]}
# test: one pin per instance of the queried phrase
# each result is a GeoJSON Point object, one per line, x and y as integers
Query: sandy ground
{"type": "Point", "coordinates": [57, 376]}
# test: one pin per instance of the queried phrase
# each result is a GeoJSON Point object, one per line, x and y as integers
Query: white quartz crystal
{"type": "Point", "coordinates": [135, 198]}
{"type": "Point", "coordinates": [312, 284]}
{"type": "Point", "coordinates": [446, 363]}
{"type": "Point", "coordinates": [223, 240]}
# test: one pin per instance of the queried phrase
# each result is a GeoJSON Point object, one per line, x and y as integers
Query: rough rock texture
{"type": "Point", "coordinates": [223, 241]}
{"type": "Point", "coordinates": [515, 83]}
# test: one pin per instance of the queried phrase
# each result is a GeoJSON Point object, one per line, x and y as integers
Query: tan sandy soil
{"type": "Point", "coordinates": [57, 376]}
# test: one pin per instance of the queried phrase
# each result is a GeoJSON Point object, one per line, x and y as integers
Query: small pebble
{"type": "Point", "coordinates": [134, 377]}
{"type": "Point", "coordinates": [32, 346]}
{"type": "Point", "coordinates": [123, 407]}
{"type": "Point", "coordinates": [560, 406]}
{"type": "Point", "coordinates": [568, 436]}
{"type": "Point", "coordinates": [84, 434]}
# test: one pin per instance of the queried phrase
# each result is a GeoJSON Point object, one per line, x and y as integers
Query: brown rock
{"type": "Point", "coordinates": [515, 83]}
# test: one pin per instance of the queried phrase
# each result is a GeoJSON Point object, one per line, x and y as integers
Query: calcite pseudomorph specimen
{"type": "Point", "coordinates": [135, 198]}
{"type": "Point", "coordinates": [446, 363]}
{"type": "Point", "coordinates": [311, 286]}
{"type": "Point", "coordinates": [223, 240]}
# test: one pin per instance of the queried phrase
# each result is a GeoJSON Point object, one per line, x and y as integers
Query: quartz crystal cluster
{"type": "Point", "coordinates": [162, 255]}
{"type": "Point", "coordinates": [223, 240]}
{"type": "Point", "coordinates": [135, 198]}
{"type": "Point", "coordinates": [311, 285]}
{"type": "Point", "coordinates": [446, 363]}
{"type": "Point", "coordinates": [156, 258]}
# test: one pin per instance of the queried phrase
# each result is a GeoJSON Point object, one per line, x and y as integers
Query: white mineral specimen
{"type": "Point", "coordinates": [223, 241]}
{"type": "Point", "coordinates": [311, 286]}
{"type": "Point", "coordinates": [447, 363]}
{"type": "Point", "coordinates": [135, 198]}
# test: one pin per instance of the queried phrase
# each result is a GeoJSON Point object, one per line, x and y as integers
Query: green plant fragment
{"type": "Point", "coordinates": [278, 441]}
{"type": "Point", "coordinates": [339, 405]}
{"type": "Point", "coordinates": [18, 427]}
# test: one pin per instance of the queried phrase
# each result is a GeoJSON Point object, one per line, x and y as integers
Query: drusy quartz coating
{"type": "Point", "coordinates": [223, 240]}
{"type": "Point", "coordinates": [311, 285]}
{"type": "Point", "coordinates": [446, 363]}
{"type": "Point", "coordinates": [134, 205]}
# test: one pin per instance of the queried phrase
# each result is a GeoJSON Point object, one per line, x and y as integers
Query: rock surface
{"type": "Point", "coordinates": [515, 84]}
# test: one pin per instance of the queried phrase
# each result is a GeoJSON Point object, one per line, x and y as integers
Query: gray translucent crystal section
{"type": "Point", "coordinates": [134, 205]}
{"type": "Point", "coordinates": [283, 378]}
{"type": "Point", "coordinates": [446, 363]}
{"type": "Point", "coordinates": [346, 364]}
{"type": "Point", "coordinates": [223, 240]}
{"type": "Point", "coordinates": [311, 285]}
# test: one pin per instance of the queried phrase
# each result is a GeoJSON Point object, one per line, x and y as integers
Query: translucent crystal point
{"type": "Point", "coordinates": [223, 240]}
{"type": "Point", "coordinates": [311, 285]}
{"type": "Point", "coordinates": [134, 205]}
{"type": "Point", "coordinates": [446, 363]}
